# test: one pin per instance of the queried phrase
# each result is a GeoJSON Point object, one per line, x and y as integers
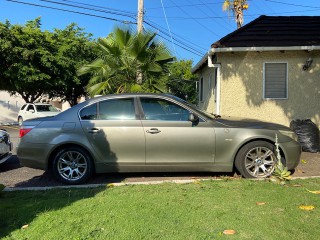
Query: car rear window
{"type": "Point", "coordinates": [117, 109]}
{"type": "Point", "coordinates": [89, 112]}
{"type": "Point", "coordinates": [46, 108]}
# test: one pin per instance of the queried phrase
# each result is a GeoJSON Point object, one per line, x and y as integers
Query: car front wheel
{"type": "Point", "coordinates": [256, 160]}
{"type": "Point", "coordinates": [72, 165]}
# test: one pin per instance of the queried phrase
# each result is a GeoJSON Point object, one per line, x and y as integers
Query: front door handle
{"type": "Point", "coordinates": [153, 131]}
{"type": "Point", "coordinates": [94, 130]}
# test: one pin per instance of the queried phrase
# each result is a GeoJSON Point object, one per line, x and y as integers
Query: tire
{"type": "Point", "coordinates": [72, 165]}
{"type": "Point", "coordinates": [20, 120]}
{"type": "Point", "coordinates": [256, 160]}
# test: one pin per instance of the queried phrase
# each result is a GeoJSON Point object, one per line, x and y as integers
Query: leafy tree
{"type": "Point", "coordinates": [182, 82]}
{"type": "Point", "coordinates": [36, 62]}
{"type": "Point", "coordinates": [123, 55]}
{"type": "Point", "coordinates": [237, 7]}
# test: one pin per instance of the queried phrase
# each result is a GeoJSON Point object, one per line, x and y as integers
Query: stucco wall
{"type": "Point", "coordinates": [208, 102]}
{"type": "Point", "coordinates": [242, 86]}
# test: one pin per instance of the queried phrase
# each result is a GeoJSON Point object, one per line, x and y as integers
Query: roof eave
{"type": "Point", "coordinates": [200, 63]}
{"type": "Point", "coordinates": [263, 49]}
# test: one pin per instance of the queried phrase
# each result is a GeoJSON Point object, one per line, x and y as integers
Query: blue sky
{"type": "Point", "coordinates": [193, 24]}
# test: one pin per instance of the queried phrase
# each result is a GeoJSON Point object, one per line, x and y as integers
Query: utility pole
{"type": "Point", "coordinates": [140, 16]}
{"type": "Point", "coordinates": [139, 75]}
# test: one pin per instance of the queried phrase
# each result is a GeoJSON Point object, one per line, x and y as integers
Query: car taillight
{"type": "Point", "coordinates": [24, 131]}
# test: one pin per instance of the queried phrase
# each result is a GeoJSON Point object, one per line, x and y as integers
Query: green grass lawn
{"type": "Point", "coordinates": [167, 211]}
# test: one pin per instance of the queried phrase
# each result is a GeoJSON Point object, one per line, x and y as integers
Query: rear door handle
{"type": "Point", "coordinates": [153, 131]}
{"type": "Point", "coordinates": [94, 130]}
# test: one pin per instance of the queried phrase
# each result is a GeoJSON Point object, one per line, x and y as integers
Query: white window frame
{"type": "Point", "coordinates": [201, 89]}
{"type": "Point", "coordinates": [264, 81]}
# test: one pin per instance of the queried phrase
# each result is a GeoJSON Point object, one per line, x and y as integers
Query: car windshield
{"type": "Point", "coordinates": [46, 108]}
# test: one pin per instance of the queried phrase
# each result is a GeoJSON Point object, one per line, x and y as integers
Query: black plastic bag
{"type": "Point", "coordinates": [308, 134]}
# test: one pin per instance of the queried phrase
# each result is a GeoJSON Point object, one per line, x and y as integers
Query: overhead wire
{"type": "Point", "coordinates": [204, 26]}
{"type": "Point", "coordinates": [160, 28]}
{"type": "Point", "coordinates": [102, 7]}
{"type": "Point", "coordinates": [205, 4]}
{"type": "Point", "coordinates": [71, 11]}
{"type": "Point", "coordinates": [291, 4]}
{"type": "Point", "coordinates": [178, 42]}
{"type": "Point", "coordinates": [87, 8]}
{"type": "Point", "coordinates": [181, 44]}
{"type": "Point", "coordinates": [165, 15]}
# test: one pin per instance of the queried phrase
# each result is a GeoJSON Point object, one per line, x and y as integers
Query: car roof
{"type": "Point", "coordinates": [131, 95]}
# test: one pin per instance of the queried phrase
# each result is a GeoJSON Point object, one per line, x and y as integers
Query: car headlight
{"type": "Point", "coordinates": [289, 134]}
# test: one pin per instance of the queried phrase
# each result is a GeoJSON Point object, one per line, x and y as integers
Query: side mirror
{"type": "Point", "coordinates": [193, 118]}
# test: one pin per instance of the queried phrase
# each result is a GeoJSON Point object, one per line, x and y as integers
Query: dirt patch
{"type": "Point", "coordinates": [309, 165]}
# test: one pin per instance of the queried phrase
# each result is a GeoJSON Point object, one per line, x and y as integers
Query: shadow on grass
{"type": "Point", "coordinates": [18, 210]}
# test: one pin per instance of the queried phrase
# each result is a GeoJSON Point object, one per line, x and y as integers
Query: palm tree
{"type": "Point", "coordinates": [124, 55]}
{"type": "Point", "coordinates": [237, 7]}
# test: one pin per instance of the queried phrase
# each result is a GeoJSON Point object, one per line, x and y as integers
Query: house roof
{"type": "Point", "coordinates": [269, 31]}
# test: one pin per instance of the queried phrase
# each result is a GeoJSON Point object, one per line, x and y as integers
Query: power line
{"type": "Point", "coordinates": [188, 5]}
{"type": "Point", "coordinates": [181, 44]}
{"type": "Point", "coordinates": [86, 8]}
{"type": "Point", "coordinates": [99, 16]}
{"type": "Point", "coordinates": [205, 4]}
{"type": "Point", "coordinates": [158, 27]}
{"type": "Point", "coordinates": [164, 12]}
{"type": "Point", "coordinates": [96, 6]}
{"type": "Point", "coordinates": [208, 29]}
{"type": "Point", "coordinates": [291, 4]}
{"type": "Point", "coordinates": [71, 11]}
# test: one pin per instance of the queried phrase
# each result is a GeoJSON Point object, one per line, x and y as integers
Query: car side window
{"type": "Point", "coordinates": [89, 112]}
{"type": "Point", "coordinates": [30, 107]}
{"type": "Point", "coordinates": [160, 109]}
{"type": "Point", "coordinates": [117, 109]}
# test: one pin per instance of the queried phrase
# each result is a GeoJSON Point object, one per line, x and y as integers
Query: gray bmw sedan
{"type": "Point", "coordinates": [151, 133]}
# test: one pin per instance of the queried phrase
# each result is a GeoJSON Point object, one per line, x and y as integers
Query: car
{"type": "Point", "coordinates": [36, 110]}
{"type": "Point", "coordinates": [5, 146]}
{"type": "Point", "coordinates": [151, 133]}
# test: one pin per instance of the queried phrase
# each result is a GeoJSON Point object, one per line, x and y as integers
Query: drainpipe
{"type": "Point", "coordinates": [218, 86]}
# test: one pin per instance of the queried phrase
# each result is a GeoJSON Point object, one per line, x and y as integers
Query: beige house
{"type": "Point", "coordinates": [269, 70]}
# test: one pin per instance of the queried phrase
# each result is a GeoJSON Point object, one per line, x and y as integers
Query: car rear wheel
{"type": "Point", "coordinates": [20, 120]}
{"type": "Point", "coordinates": [72, 165]}
{"type": "Point", "coordinates": [256, 160]}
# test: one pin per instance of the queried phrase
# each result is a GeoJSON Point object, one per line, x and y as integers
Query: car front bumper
{"type": "Point", "coordinates": [292, 152]}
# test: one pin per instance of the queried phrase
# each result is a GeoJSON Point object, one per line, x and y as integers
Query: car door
{"type": "Point", "coordinates": [173, 140]}
{"type": "Point", "coordinates": [30, 112]}
{"type": "Point", "coordinates": [114, 131]}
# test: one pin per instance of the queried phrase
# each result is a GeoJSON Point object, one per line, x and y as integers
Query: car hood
{"type": "Point", "coordinates": [234, 122]}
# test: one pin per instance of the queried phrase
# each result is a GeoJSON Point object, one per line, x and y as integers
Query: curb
{"type": "Point", "coordinates": [12, 189]}
{"type": "Point", "coordinates": [8, 123]}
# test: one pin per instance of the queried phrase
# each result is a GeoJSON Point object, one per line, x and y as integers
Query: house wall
{"type": "Point", "coordinates": [242, 86]}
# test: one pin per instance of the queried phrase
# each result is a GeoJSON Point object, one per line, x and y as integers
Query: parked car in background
{"type": "Point", "coordinates": [36, 110]}
{"type": "Point", "coordinates": [154, 133]}
{"type": "Point", "coordinates": [5, 146]}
